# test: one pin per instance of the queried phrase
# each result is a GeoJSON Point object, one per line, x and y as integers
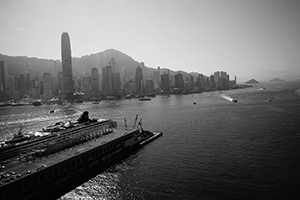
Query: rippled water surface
{"type": "Point", "coordinates": [214, 149]}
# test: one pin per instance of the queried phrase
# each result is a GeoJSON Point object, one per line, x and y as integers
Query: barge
{"type": "Point", "coordinates": [48, 170]}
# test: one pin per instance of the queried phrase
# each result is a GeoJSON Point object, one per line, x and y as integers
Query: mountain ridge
{"type": "Point", "coordinates": [16, 65]}
{"type": "Point", "coordinates": [252, 81]}
{"type": "Point", "coordinates": [266, 75]}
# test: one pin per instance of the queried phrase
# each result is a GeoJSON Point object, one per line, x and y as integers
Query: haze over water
{"type": "Point", "coordinates": [214, 149]}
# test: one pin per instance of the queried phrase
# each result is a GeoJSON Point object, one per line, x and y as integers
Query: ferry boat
{"type": "Point", "coordinates": [59, 128]}
{"type": "Point", "coordinates": [49, 169]}
{"type": "Point", "coordinates": [17, 138]}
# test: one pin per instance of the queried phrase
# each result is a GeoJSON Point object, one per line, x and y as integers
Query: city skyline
{"type": "Point", "coordinates": [86, 87]}
{"type": "Point", "coordinates": [240, 37]}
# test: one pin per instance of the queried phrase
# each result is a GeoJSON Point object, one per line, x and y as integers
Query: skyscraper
{"type": "Point", "coordinates": [217, 76]}
{"type": "Point", "coordinates": [2, 76]}
{"type": "Point", "coordinates": [107, 78]}
{"type": "Point", "coordinates": [36, 88]}
{"type": "Point", "coordinates": [47, 85]}
{"type": "Point", "coordinates": [149, 86]}
{"type": "Point", "coordinates": [139, 79]}
{"type": "Point", "coordinates": [112, 63]}
{"type": "Point", "coordinates": [116, 81]}
{"type": "Point", "coordinates": [179, 81]}
{"type": "Point", "coordinates": [67, 75]}
{"type": "Point", "coordinates": [86, 85]}
{"type": "Point", "coordinates": [212, 82]}
{"type": "Point", "coordinates": [156, 77]}
{"type": "Point", "coordinates": [59, 82]}
{"type": "Point", "coordinates": [95, 80]}
{"type": "Point", "coordinates": [27, 83]}
{"type": "Point", "coordinates": [165, 82]}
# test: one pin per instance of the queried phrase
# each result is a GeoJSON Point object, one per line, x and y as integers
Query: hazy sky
{"type": "Point", "coordinates": [237, 36]}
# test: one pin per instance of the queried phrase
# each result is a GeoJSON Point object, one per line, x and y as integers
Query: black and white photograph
{"type": "Point", "coordinates": [149, 99]}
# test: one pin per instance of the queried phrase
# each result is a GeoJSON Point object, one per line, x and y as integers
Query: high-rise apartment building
{"type": "Point", "coordinates": [217, 76]}
{"type": "Point", "coordinates": [165, 82]}
{"type": "Point", "coordinates": [212, 82]}
{"type": "Point", "coordinates": [149, 86]}
{"type": "Point", "coordinates": [179, 81]}
{"type": "Point", "coordinates": [67, 75]}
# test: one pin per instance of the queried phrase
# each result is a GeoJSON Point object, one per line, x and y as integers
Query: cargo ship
{"type": "Point", "coordinates": [49, 168]}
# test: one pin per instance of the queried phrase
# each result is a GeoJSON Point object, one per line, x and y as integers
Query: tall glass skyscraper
{"type": "Point", "coordinates": [67, 75]}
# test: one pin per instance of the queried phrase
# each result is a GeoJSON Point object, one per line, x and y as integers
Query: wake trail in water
{"type": "Point", "coordinates": [228, 98]}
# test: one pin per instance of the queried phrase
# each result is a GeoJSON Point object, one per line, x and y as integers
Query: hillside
{"type": "Point", "coordinates": [252, 81]}
{"type": "Point", "coordinates": [266, 75]}
{"type": "Point", "coordinates": [82, 66]}
{"type": "Point", "coordinates": [276, 80]}
{"type": "Point", "coordinates": [16, 65]}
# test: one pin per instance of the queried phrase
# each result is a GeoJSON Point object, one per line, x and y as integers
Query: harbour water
{"type": "Point", "coordinates": [212, 148]}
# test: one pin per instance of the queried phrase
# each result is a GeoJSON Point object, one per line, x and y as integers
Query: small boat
{"type": "Point", "coordinates": [151, 95]}
{"type": "Point", "coordinates": [234, 100]}
{"type": "Point", "coordinates": [111, 97]}
{"type": "Point", "coordinates": [59, 102]}
{"type": "Point", "coordinates": [17, 104]}
{"type": "Point", "coordinates": [37, 102]}
{"type": "Point", "coordinates": [95, 102]}
{"type": "Point", "coordinates": [78, 100]}
{"type": "Point", "coordinates": [144, 99]}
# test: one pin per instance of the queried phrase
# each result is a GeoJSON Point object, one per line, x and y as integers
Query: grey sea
{"type": "Point", "coordinates": [212, 148]}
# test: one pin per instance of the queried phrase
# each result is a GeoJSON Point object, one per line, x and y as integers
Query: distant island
{"type": "Point", "coordinates": [252, 81]}
{"type": "Point", "coordinates": [276, 80]}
